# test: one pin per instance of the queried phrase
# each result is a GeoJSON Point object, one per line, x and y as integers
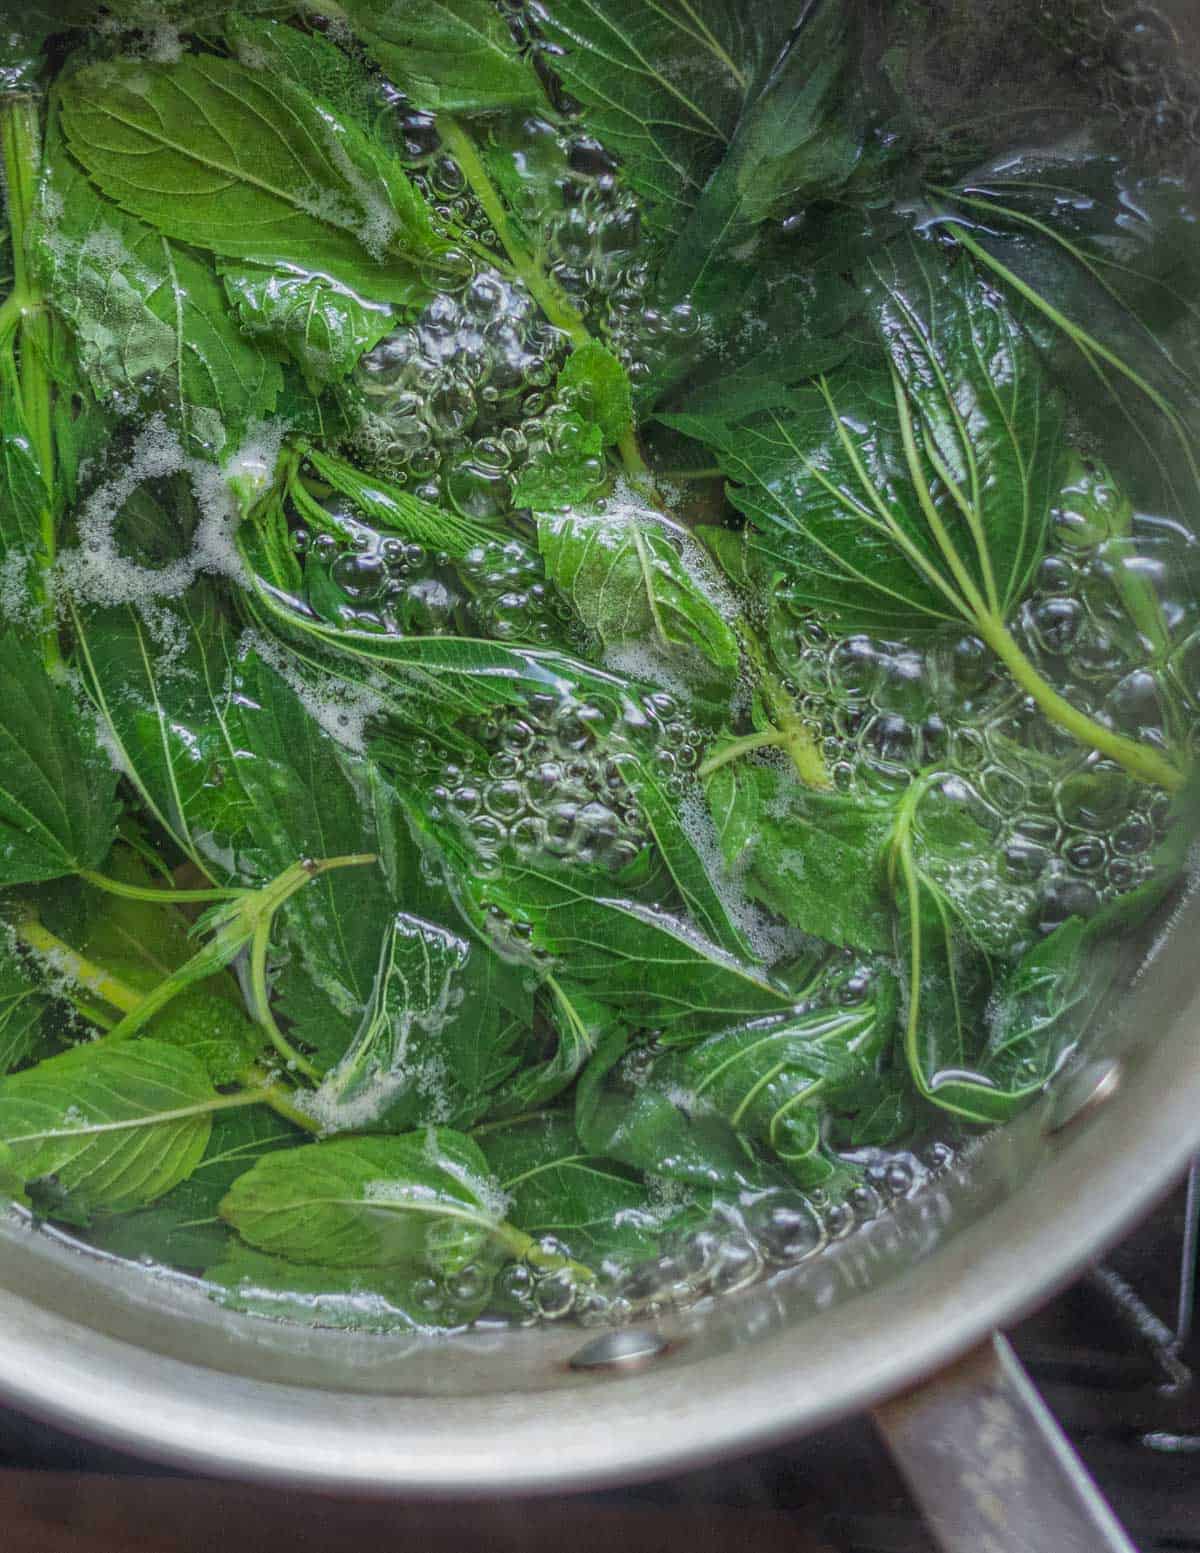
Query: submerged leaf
{"type": "Point", "coordinates": [58, 811]}
{"type": "Point", "coordinates": [625, 572]}
{"type": "Point", "coordinates": [115, 1127]}
{"type": "Point", "coordinates": [813, 858]}
{"type": "Point", "coordinates": [422, 1202]}
{"type": "Point", "coordinates": [149, 316]}
{"type": "Point", "coordinates": [451, 56]}
{"type": "Point", "coordinates": [248, 166]}
{"type": "Point", "coordinates": [663, 85]}
{"type": "Point", "coordinates": [956, 431]}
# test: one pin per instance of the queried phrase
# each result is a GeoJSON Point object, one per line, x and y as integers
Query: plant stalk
{"type": "Point", "coordinates": [21, 154]}
{"type": "Point", "coordinates": [138, 892]}
{"type": "Point", "coordinates": [67, 962]}
{"type": "Point", "coordinates": [545, 291]}
{"type": "Point", "coordinates": [1140, 760]}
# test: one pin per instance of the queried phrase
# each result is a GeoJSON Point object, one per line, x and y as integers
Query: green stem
{"type": "Point", "coordinates": [255, 908]}
{"type": "Point", "coordinates": [545, 291]}
{"type": "Point", "coordinates": [262, 1004]}
{"type": "Point", "coordinates": [511, 1121]}
{"type": "Point", "coordinates": [67, 962]}
{"type": "Point", "coordinates": [549, 296]}
{"type": "Point", "coordinates": [279, 1097]}
{"type": "Point", "coordinates": [21, 152]}
{"type": "Point", "coordinates": [525, 1248]}
{"type": "Point", "coordinates": [739, 747]}
{"type": "Point", "coordinates": [263, 1088]}
{"type": "Point", "coordinates": [138, 892]}
{"type": "Point", "coordinates": [1140, 760]}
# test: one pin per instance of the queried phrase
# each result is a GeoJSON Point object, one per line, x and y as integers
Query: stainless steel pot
{"type": "Point", "coordinates": [153, 1367]}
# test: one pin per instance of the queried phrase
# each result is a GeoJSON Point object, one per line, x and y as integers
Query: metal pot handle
{"type": "Point", "coordinates": [989, 1465]}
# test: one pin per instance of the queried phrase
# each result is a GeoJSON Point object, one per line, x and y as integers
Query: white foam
{"type": "Point", "coordinates": [338, 706]}
{"type": "Point", "coordinates": [97, 572]}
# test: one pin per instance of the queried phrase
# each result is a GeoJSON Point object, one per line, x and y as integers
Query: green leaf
{"type": "Point", "coordinates": [378, 1300]}
{"type": "Point", "coordinates": [594, 382]}
{"type": "Point", "coordinates": [1041, 1008]}
{"type": "Point", "coordinates": [307, 59]}
{"type": "Point", "coordinates": [115, 1127]}
{"type": "Point", "coordinates": [798, 140]}
{"type": "Point", "coordinates": [838, 499]}
{"type": "Point", "coordinates": [58, 812]}
{"type": "Point", "coordinates": [322, 324]}
{"type": "Point", "coordinates": [579, 1022]}
{"type": "Point", "coordinates": [631, 956]}
{"type": "Point", "coordinates": [645, 1124]}
{"type": "Point", "coordinates": [422, 1202]}
{"type": "Point", "coordinates": [592, 1206]}
{"type": "Point", "coordinates": [248, 166]}
{"type": "Point", "coordinates": [306, 805]}
{"type": "Point", "coordinates": [149, 317]}
{"type": "Point", "coordinates": [812, 858]}
{"type": "Point", "coordinates": [565, 471]}
{"type": "Point", "coordinates": [775, 1079]}
{"type": "Point", "coordinates": [213, 1030]}
{"type": "Point", "coordinates": [435, 1038]}
{"type": "Point", "coordinates": [450, 56]}
{"type": "Point", "coordinates": [627, 575]}
{"type": "Point", "coordinates": [21, 1008]}
{"type": "Point", "coordinates": [185, 1228]}
{"type": "Point", "coordinates": [663, 85]}
{"type": "Point", "coordinates": [1110, 261]}
{"type": "Point", "coordinates": [165, 719]}
{"type": "Point", "coordinates": [945, 981]}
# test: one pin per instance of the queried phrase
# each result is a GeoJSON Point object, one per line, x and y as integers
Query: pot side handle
{"type": "Point", "coordinates": [989, 1465]}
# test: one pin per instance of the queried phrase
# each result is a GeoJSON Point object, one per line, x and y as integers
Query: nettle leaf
{"type": "Point", "coordinates": [306, 804]}
{"type": "Point", "coordinates": [580, 1020]}
{"type": "Point", "coordinates": [149, 317]}
{"type": "Point", "coordinates": [839, 500]}
{"type": "Point", "coordinates": [644, 1122]}
{"type": "Point", "coordinates": [185, 1228]}
{"type": "Point", "coordinates": [323, 325]}
{"type": "Point", "coordinates": [595, 382]}
{"type": "Point", "coordinates": [58, 810]}
{"type": "Point", "coordinates": [945, 982]}
{"type": "Point", "coordinates": [424, 1201]}
{"type": "Point", "coordinates": [663, 85]}
{"type": "Point", "coordinates": [775, 1080]}
{"type": "Point", "coordinates": [114, 1127]}
{"type": "Point", "coordinates": [213, 1030]}
{"type": "Point", "coordinates": [165, 717]}
{"type": "Point", "coordinates": [625, 571]}
{"type": "Point", "coordinates": [377, 1300]}
{"type": "Point", "coordinates": [22, 1005]}
{"type": "Point", "coordinates": [435, 1039]}
{"type": "Point", "coordinates": [308, 59]}
{"type": "Point", "coordinates": [634, 957]}
{"type": "Point", "coordinates": [566, 471]}
{"type": "Point", "coordinates": [248, 166]}
{"type": "Point", "coordinates": [797, 141]}
{"type": "Point", "coordinates": [1106, 259]}
{"type": "Point", "coordinates": [813, 858]}
{"type": "Point", "coordinates": [450, 56]}
{"type": "Point", "coordinates": [593, 1206]}
{"type": "Point", "coordinates": [1042, 1006]}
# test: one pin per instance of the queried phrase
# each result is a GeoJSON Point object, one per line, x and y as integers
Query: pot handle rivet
{"type": "Point", "coordinates": [1084, 1092]}
{"type": "Point", "coordinates": [624, 1350]}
